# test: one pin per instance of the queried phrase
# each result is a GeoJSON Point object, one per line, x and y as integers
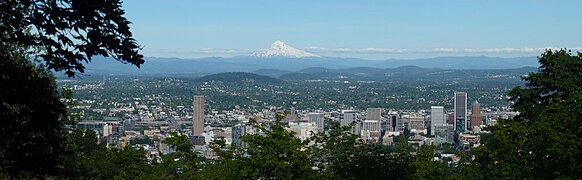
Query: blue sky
{"type": "Point", "coordinates": [364, 29]}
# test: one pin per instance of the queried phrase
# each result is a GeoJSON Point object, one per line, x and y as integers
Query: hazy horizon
{"type": "Point", "coordinates": [376, 31]}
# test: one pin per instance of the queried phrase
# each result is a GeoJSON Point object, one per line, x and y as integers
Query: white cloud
{"type": "Point", "coordinates": [507, 50]}
{"type": "Point", "coordinates": [205, 51]}
{"type": "Point", "coordinates": [316, 49]}
{"type": "Point", "coordinates": [382, 50]}
{"type": "Point", "coordinates": [444, 50]}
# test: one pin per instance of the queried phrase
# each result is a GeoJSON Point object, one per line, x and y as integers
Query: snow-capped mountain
{"type": "Point", "coordinates": [280, 49]}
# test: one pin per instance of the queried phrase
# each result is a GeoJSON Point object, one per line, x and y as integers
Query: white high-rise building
{"type": "Point", "coordinates": [347, 117]}
{"type": "Point", "coordinates": [107, 130]}
{"type": "Point", "coordinates": [374, 114]}
{"type": "Point", "coordinates": [437, 117]}
{"type": "Point", "coordinates": [318, 119]}
{"type": "Point", "coordinates": [303, 130]}
{"type": "Point", "coordinates": [370, 129]}
{"type": "Point", "coordinates": [371, 125]}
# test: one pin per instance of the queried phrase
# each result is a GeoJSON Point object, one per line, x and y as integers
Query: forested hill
{"type": "Point", "coordinates": [240, 77]}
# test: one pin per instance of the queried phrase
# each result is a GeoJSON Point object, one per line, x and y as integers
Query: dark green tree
{"type": "Point", "coordinates": [31, 115]}
{"type": "Point", "coordinates": [340, 154]}
{"type": "Point", "coordinates": [80, 147]}
{"type": "Point", "coordinates": [425, 167]}
{"type": "Point", "coordinates": [227, 166]}
{"type": "Point", "coordinates": [275, 152]}
{"type": "Point", "coordinates": [68, 33]}
{"type": "Point", "coordinates": [184, 162]}
{"type": "Point", "coordinates": [85, 158]}
{"type": "Point", "coordinates": [37, 36]}
{"type": "Point", "coordinates": [543, 141]}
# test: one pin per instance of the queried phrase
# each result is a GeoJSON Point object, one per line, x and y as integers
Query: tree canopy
{"type": "Point", "coordinates": [67, 33]}
{"type": "Point", "coordinates": [31, 115]}
{"type": "Point", "coordinates": [543, 141]}
{"type": "Point", "coordinates": [37, 36]}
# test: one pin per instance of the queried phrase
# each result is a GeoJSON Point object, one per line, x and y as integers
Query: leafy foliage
{"type": "Point", "coordinates": [543, 141]}
{"type": "Point", "coordinates": [184, 162]}
{"type": "Point", "coordinates": [64, 34]}
{"type": "Point", "coordinates": [275, 153]}
{"type": "Point", "coordinates": [87, 159]}
{"type": "Point", "coordinates": [69, 33]}
{"type": "Point", "coordinates": [425, 167]}
{"type": "Point", "coordinates": [31, 114]}
{"type": "Point", "coordinates": [339, 154]}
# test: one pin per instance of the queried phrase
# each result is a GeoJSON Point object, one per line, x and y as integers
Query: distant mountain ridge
{"type": "Point", "coordinates": [282, 57]}
{"type": "Point", "coordinates": [153, 65]}
{"type": "Point", "coordinates": [404, 73]}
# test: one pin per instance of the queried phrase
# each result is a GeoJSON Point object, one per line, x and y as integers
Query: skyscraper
{"type": "Point", "coordinates": [394, 122]}
{"type": "Point", "coordinates": [374, 114]}
{"type": "Point", "coordinates": [318, 119]}
{"type": "Point", "coordinates": [347, 117]}
{"type": "Point", "coordinates": [437, 117]}
{"type": "Point", "coordinates": [476, 117]}
{"type": "Point", "coordinates": [198, 116]}
{"type": "Point", "coordinates": [238, 131]}
{"type": "Point", "coordinates": [460, 111]}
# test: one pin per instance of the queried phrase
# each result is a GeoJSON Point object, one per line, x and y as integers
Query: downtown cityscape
{"type": "Point", "coordinates": [123, 121]}
{"type": "Point", "coordinates": [257, 89]}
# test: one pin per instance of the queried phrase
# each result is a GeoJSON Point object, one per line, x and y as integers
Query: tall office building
{"type": "Point", "coordinates": [443, 134]}
{"type": "Point", "coordinates": [318, 119]}
{"type": "Point", "coordinates": [371, 125]}
{"type": "Point", "coordinates": [303, 130]}
{"type": "Point", "coordinates": [394, 122]}
{"type": "Point", "coordinates": [347, 117]}
{"type": "Point", "coordinates": [437, 116]}
{"type": "Point", "coordinates": [370, 129]}
{"type": "Point", "coordinates": [238, 131]}
{"type": "Point", "coordinates": [198, 116]}
{"type": "Point", "coordinates": [460, 111]}
{"type": "Point", "coordinates": [374, 114]}
{"type": "Point", "coordinates": [292, 116]}
{"type": "Point", "coordinates": [476, 116]}
{"type": "Point", "coordinates": [416, 122]}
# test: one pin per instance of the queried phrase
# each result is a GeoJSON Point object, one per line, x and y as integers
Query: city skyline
{"type": "Point", "coordinates": [301, 89]}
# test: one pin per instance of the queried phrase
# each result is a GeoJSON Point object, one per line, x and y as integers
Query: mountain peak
{"type": "Point", "coordinates": [280, 49]}
{"type": "Point", "coordinates": [279, 45]}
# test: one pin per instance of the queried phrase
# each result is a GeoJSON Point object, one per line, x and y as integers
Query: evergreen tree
{"type": "Point", "coordinates": [31, 115]}
{"type": "Point", "coordinates": [543, 141]}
